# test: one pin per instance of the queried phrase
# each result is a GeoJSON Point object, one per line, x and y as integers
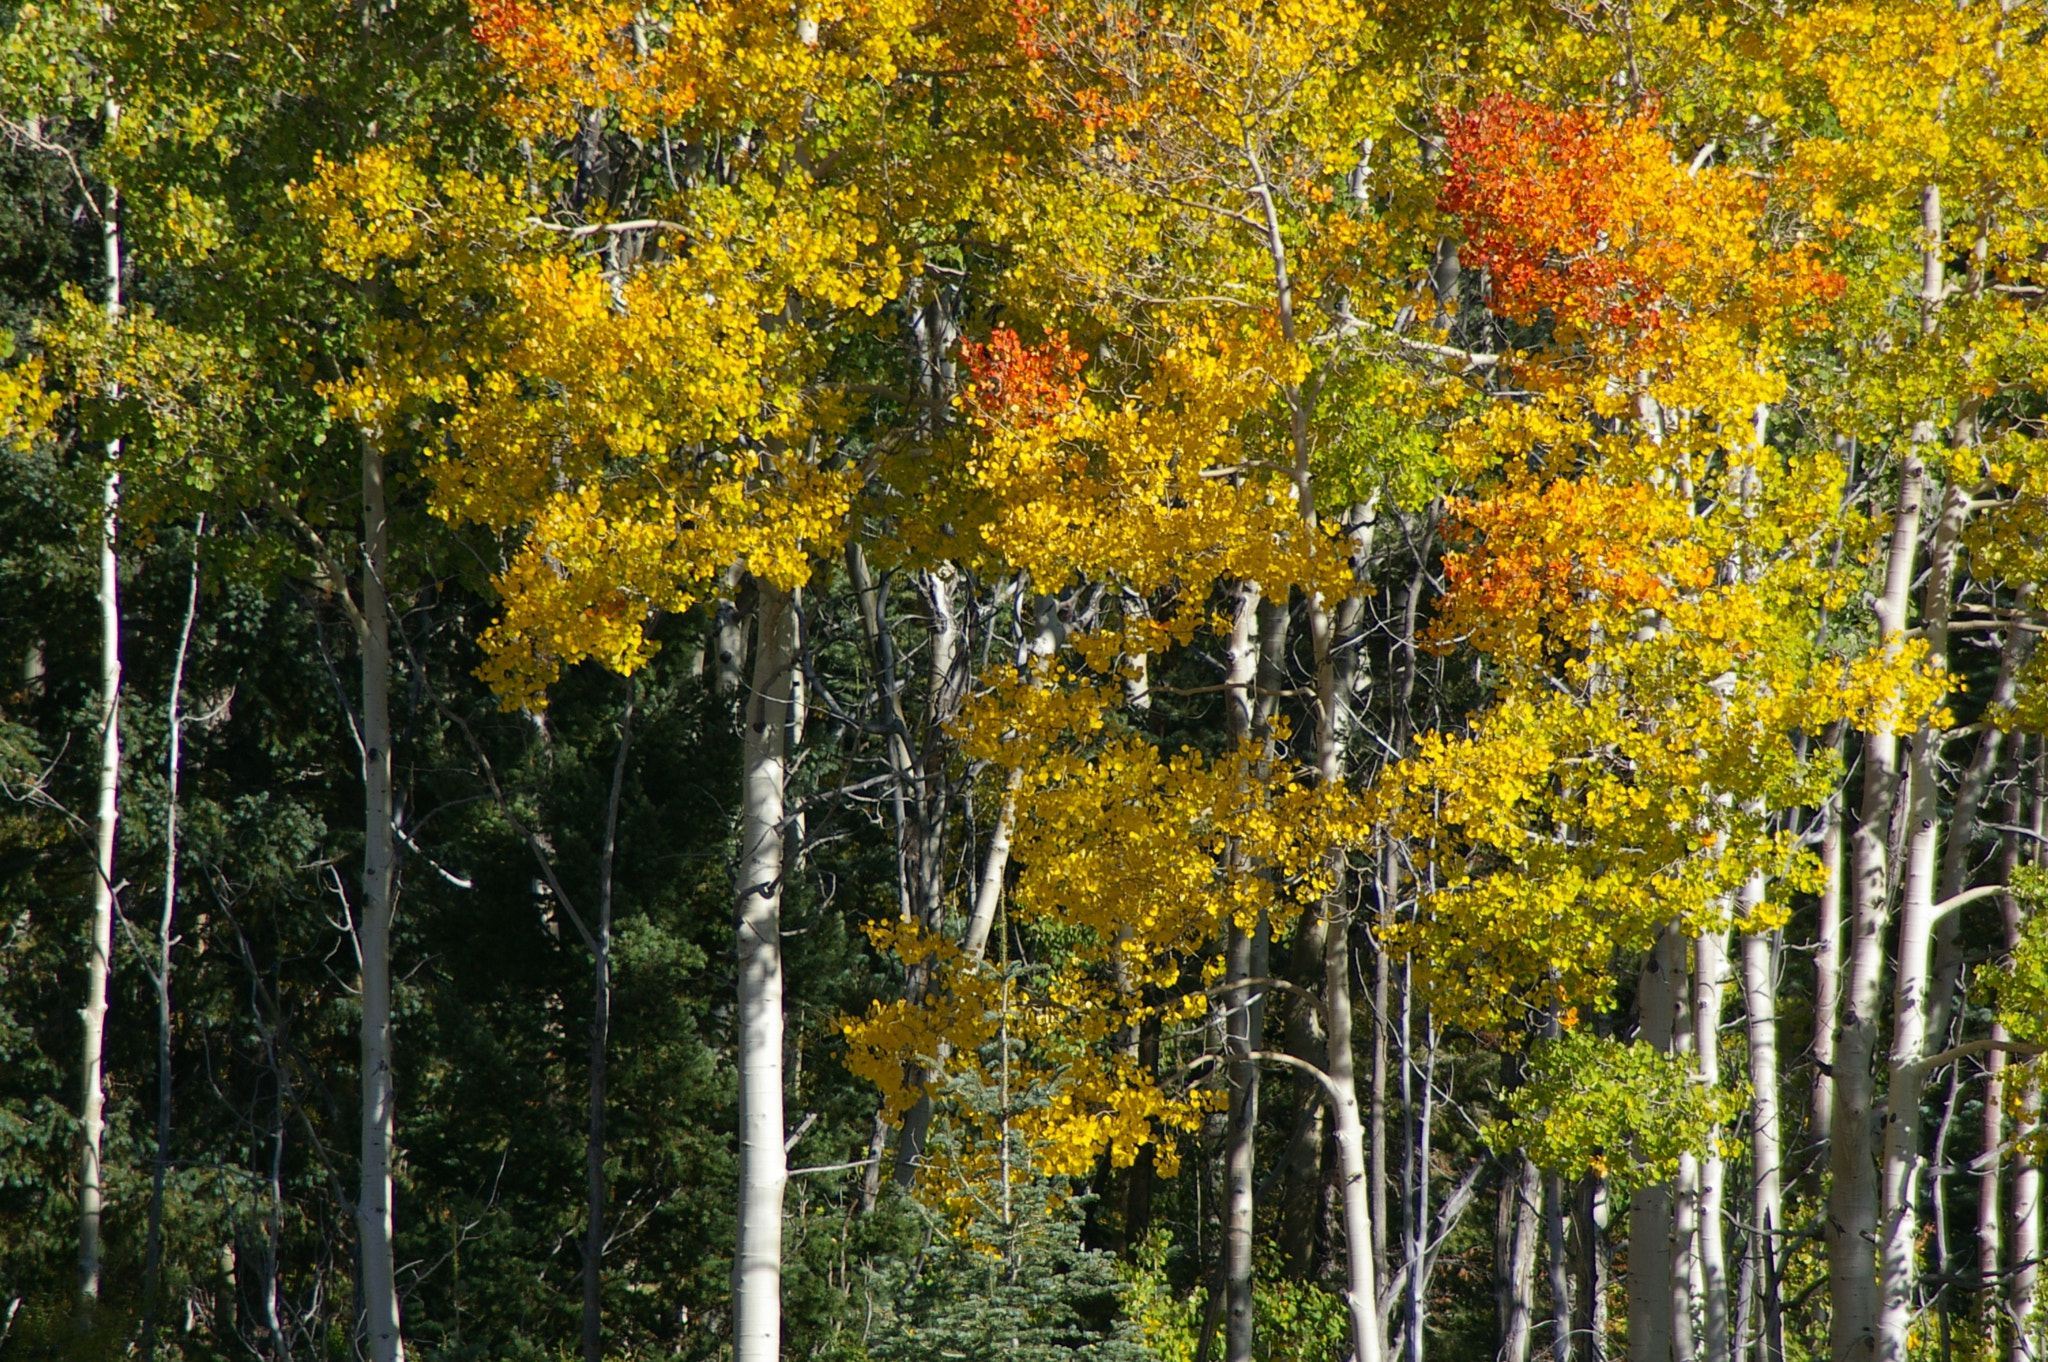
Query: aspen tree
{"type": "Point", "coordinates": [107, 808]}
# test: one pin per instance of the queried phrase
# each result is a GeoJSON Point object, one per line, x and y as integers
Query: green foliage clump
{"type": "Point", "coordinates": [1627, 1112]}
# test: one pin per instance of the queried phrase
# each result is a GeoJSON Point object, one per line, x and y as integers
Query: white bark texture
{"type": "Point", "coordinates": [757, 1254]}
{"type": "Point", "coordinates": [1649, 1207]}
{"type": "Point", "coordinates": [1710, 975]}
{"type": "Point", "coordinates": [1827, 971]}
{"type": "Point", "coordinates": [1911, 1001]}
{"type": "Point", "coordinates": [1852, 1215]}
{"type": "Point", "coordinates": [1349, 1136]}
{"type": "Point", "coordinates": [374, 1212]}
{"type": "Point", "coordinates": [1767, 1206]}
{"type": "Point", "coordinates": [100, 929]}
{"type": "Point", "coordinates": [1514, 1260]}
{"type": "Point", "coordinates": [100, 895]}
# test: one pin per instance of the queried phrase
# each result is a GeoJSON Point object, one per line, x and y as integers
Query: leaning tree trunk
{"type": "Point", "coordinates": [757, 1252]}
{"type": "Point", "coordinates": [374, 1218]}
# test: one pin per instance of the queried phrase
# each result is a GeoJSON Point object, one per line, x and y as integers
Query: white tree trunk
{"type": "Point", "coordinates": [1514, 1265]}
{"type": "Point", "coordinates": [1827, 970]}
{"type": "Point", "coordinates": [100, 943]}
{"type": "Point", "coordinates": [1349, 1135]}
{"type": "Point", "coordinates": [988, 891]}
{"type": "Point", "coordinates": [152, 1253]}
{"type": "Point", "coordinates": [374, 1211]}
{"type": "Point", "coordinates": [1649, 1207]}
{"type": "Point", "coordinates": [2026, 1229]}
{"type": "Point", "coordinates": [1710, 976]}
{"type": "Point", "coordinates": [757, 1253]}
{"type": "Point", "coordinates": [100, 895]}
{"type": "Point", "coordinates": [1898, 1269]}
{"type": "Point", "coordinates": [1852, 1218]}
{"type": "Point", "coordinates": [1241, 667]}
{"type": "Point", "coordinates": [1767, 1208]}
{"type": "Point", "coordinates": [1686, 1285]}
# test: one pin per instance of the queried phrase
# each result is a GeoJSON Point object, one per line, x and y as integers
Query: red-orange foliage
{"type": "Point", "coordinates": [1594, 220]}
{"type": "Point", "coordinates": [1543, 195]}
{"type": "Point", "coordinates": [1546, 563]}
{"type": "Point", "coordinates": [1022, 384]}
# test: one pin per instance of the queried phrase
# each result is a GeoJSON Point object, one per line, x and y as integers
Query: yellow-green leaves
{"type": "Point", "coordinates": [1624, 1111]}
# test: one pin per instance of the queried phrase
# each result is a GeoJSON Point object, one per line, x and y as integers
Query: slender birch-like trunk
{"type": "Point", "coordinates": [1349, 1137]}
{"type": "Point", "coordinates": [153, 1249]}
{"type": "Point", "coordinates": [1348, 1131]}
{"type": "Point", "coordinates": [1898, 1267]}
{"type": "Point", "coordinates": [1851, 1223]}
{"type": "Point", "coordinates": [1240, 705]}
{"type": "Point", "coordinates": [1381, 982]}
{"type": "Point", "coordinates": [1767, 1206]}
{"type": "Point", "coordinates": [2025, 1277]}
{"type": "Point", "coordinates": [2026, 1229]}
{"type": "Point", "coordinates": [600, 1037]}
{"type": "Point", "coordinates": [1827, 969]}
{"type": "Point", "coordinates": [1990, 1198]}
{"type": "Point", "coordinates": [374, 1211]}
{"type": "Point", "coordinates": [757, 1252]}
{"type": "Point", "coordinates": [100, 890]}
{"type": "Point", "coordinates": [1240, 1150]}
{"type": "Point", "coordinates": [1650, 1208]}
{"type": "Point", "coordinates": [1686, 1285]}
{"type": "Point", "coordinates": [1710, 973]}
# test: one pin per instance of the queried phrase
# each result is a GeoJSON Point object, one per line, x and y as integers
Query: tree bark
{"type": "Point", "coordinates": [100, 889]}
{"type": "Point", "coordinates": [1852, 1215]}
{"type": "Point", "coordinates": [374, 1211]}
{"type": "Point", "coordinates": [2026, 1229]}
{"type": "Point", "coordinates": [1686, 1285]}
{"type": "Point", "coordinates": [1240, 711]}
{"type": "Point", "coordinates": [1650, 1209]}
{"type": "Point", "coordinates": [600, 1036]}
{"type": "Point", "coordinates": [1710, 974]}
{"type": "Point", "coordinates": [1827, 970]}
{"type": "Point", "coordinates": [1380, 1026]}
{"type": "Point", "coordinates": [152, 1254]}
{"type": "Point", "coordinates": [1589, 1316]}
{"type": "Point", "coordinates": [757, 1253]}
{"type": "Point", "coordinates": [1514, 1259]}
{"type": "Point", "coordinates": [1898, 1268]}
{"type": "Point", "coordinates": [1349, 1136]}
{"type": "Point", "coordinates": [1555, 1215]}
{"type": "Point", "coordinates": [1767, 1204]}
{"type": "Point", "coordinates": [2026, 1166]}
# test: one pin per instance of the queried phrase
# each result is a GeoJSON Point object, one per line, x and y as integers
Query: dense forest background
{"type": "Point", "coordinates": [918, 680]}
